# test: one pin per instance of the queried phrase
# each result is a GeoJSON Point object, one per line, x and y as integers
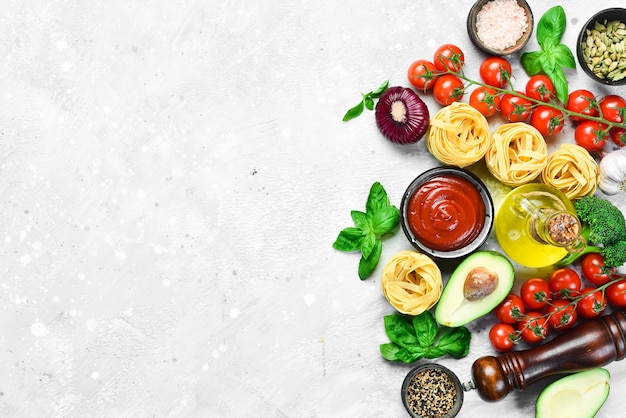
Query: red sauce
{"type": "Point", "coordinates": [446, 213]}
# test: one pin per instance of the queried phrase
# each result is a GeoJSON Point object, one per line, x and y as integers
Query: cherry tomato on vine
{"type": "Point", "coordinates": [448, 89]}
{"type": "Point", "coordinates": [561, 315]}
{"type": "Point", "coordinates": [515, 108]}
{"type": "Point", "coordinates": [533, 327]}
{"type": "Point", "coordinates": [495, 71]}
{"type": "Point", "coordinates": [540, 87]}
{"type": "Point", "coordinates": [618, 136]}
{"type": "Point", "coordinates": [422, 75]}
{"type": "Point", "coordinates": [590, 135]}
{"type": "Point", "coordinates": [511, 309]}
{"type": "Point", "coordinates": [486, 100]}
{"type": "Point", "coordinates": [582, 101]}
{"type": "Point", "coordinates": [564, 283]}
{"type": "Point", "coordinates": [547, 120]}
{"type": "Point", "coordinates": [592, 304]}
{"type": "Point", "coordinates": [616, 294]}
{"type": "Point", "coordinates": [449, 57]}
{"type": "Point", "coordinates": [503, 336]}
{"type": "Point", "coordinates": [613, 108]}
{"type": "Point", "coordinates": [535, 293]}
{"type": "Point", "coordinates": [592, 268]}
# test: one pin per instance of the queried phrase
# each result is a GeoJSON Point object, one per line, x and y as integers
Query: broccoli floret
{"type": "Point", "coordinates": [604, 230]}
{"type": "Point", "coordinates": [614, 254]}
{"type": "Point", "coordinates": [603, 223]}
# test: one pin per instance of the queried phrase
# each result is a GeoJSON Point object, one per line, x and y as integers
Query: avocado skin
{"type": "Point", "coordinates": [453, 310]}
{"type": "Point", "coordinates": [579, 395]}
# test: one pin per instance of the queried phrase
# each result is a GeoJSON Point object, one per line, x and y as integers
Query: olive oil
{"type": "Point", "coordinates": [516, 225]}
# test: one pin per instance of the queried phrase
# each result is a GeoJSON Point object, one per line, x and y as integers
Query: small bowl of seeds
{"type": "Point", "coordinates": [432, 390]}
{"type": "Point", "coordinates": [601, 47]}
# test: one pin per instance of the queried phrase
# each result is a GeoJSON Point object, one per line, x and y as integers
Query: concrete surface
{"type": "Point", "coordinates": [173, 174]}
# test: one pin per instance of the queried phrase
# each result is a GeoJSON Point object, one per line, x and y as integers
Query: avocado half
{"type": "Point", "coordinates": [580, 395]}
{"type": "Point", "coordinates": [475, 288]}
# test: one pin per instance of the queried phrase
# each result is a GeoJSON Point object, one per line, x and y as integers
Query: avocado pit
{"type": "Point", "coordinates": [479, 283]}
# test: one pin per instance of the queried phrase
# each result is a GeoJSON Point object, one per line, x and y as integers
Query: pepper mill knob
{"type": "Point", "coordinates": [590, 344]}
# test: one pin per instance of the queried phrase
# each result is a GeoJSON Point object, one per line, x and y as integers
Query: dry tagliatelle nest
{"type": "Point", "coordinates": [458, 135]}
{"type": "Point", "coordinates": [411, 282]}
{"type": "Point", "coordinates": [517, 154]}
{"type": "Point", "coordinates": [572, 170]}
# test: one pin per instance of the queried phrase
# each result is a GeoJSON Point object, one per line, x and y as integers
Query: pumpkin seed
{"type": "Point", "coordinates": [604, 49]}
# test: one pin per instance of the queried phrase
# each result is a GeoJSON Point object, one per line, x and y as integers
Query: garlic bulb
{"type": "Point", "coordinates": [612, 176]}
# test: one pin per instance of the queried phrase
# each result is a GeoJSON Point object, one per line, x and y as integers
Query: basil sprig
{"type": "Point", "coordinates": [366, 102]}
{"type": "Point", "coordinates": [553, 56]}
{"type": "Point", "coordinates": [421, 337]}
{"type": "Point", "coordinates": [380, 218]}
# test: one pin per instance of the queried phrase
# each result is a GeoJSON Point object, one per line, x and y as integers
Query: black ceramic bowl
{"type": "Point", "coordinates": [438, 210]}
{"type": "Point", "coordinates": [474, 36]}
{"type": "Point", "coordinates": [432, 382]}
{"type": "Point", "coordinates": [588, 57]}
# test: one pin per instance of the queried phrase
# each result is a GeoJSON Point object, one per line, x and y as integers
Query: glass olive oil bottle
{"type": "Point", "coordinates": [536, 225]}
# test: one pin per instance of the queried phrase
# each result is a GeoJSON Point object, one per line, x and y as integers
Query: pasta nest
{"type": "Point", "coordinates": [411, 282]}
{"type": "Point", "coordinates": [458, 135]}
{"type": "Point", "coordinates": [517, 154]}
{"type": "Point", "coordinates": [572, 170]}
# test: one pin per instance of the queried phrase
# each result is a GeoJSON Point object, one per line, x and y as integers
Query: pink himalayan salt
{"type": "Point", "coordinates": [500, 23]}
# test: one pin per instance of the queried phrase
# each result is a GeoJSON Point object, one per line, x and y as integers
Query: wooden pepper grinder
{"type": "Point", "coordinates": [590, 344]}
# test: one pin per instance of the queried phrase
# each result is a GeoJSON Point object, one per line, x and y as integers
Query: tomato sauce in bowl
{"type": "Point", "coordinates": [447, 212]}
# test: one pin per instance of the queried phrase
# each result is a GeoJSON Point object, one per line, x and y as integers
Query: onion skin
{"type": "Point", "coordinates": [401, 115]}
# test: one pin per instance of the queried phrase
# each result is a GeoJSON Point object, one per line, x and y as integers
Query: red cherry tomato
{"type": "Point", "coordinates": [564, 283]}
{"type": "Point", "coordinates": [561, 315]}
{"type": "Point", "coordinates": [618, 136]}
{"type": "Point", "coordinates": [533, 328]}
{"type": "Point", "coordinates": [503, 337]}
{"type": "Point", "coordinates": [592, 304]}
{"type": "Point", "coordinates": [495, 71]}
{"type": "Point", "coordinates": [616, 294]}
{"type": "Point", "coordinates": [582, 101]}
{"type": "Point", "coordinates": [449, 57]}
{"type": "Point", "coordinates": [515, 108]}
{"type": "Point", "coordinates": [535, 293]}
{"type": "Point", "coordinates": [486, 100]}
{"type": "Point", "coordinates": [422, 75]}
{"type": "Point", "coordinates": [592, 268]}
{"type": "Point", "coordinates": [540, 87]}
{"type": "Point", "coordinates": [613, 108]}
{"type": "Point", "coordinates": [590, 135]}
{"type": "Point", "coordinates": [547, 120]}
{"type": "Point", "coordinates": [448, 89]}
{"type": "Point", "coordinates": [510, 310]}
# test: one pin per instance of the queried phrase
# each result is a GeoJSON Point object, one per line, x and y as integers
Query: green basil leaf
{"type": "Point", "coordinates": [564, 56]}
{"type": "Point", "coordinates": [349, 239]}
{"type": "Point", "coordinates": [377, 198]}
{"type": "Point", "coordinates": [369, 103]}
{"type": "Point", "coordinates": [410, 356]}
{"type": "Point", "coordinates": [425, 328]}
{"type": "Point", "coordinates": [380, 90]}
{"type": "Point", "coordinates": [354, 112]}
{"type": "Point", "coordinates": [454, 341]}
{"type": "Point", "coordinates": [400, 330]}
{"type": "Point", "coordinates": [361, 220]}
{"type": "Point", "coordinates": [368, 265]}
{"type": "Point", "coordinates": [531, 61]}
{"type": "Point", "coordinates": [390, 351]}
{"type": "Point", "coordinates": [368, 243]}
{"type": "Point", "coordinates": [548, 63]}
{"type": "Point", "coordinates": [551, 28]}
{"type": "Point", "coordinates": [433, 352]}
{"type": "Point", "coordinates": [560, 84]}
{"type": "Point", "coordinates": [385, 220]}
